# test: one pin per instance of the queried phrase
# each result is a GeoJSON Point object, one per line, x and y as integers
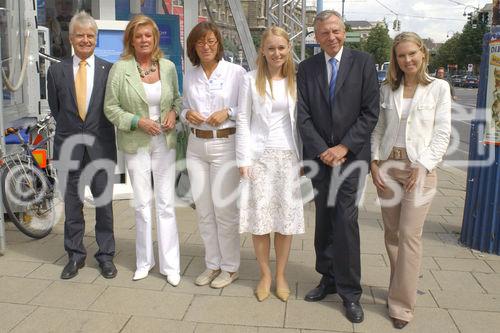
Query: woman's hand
{"type": "Point", "coordinates": [194, 117]}
{"type": "Point", "coordinates": [149, 126]}
{"type": "Point", "coordinates": [169, 122]}
{"type": "Point", "coordinates": [245, 172]}
{"type": "Point", "coordinates": [376, 176]}
{"type": "Point", "coordinates": [417, 174]}
{"type": "Point", "coordinates": [218, 117]}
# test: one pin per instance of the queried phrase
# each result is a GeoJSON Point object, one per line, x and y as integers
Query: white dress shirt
{"type": "Point", "coordinates": [90, 74]}
{"type": "Point", "coordinates": [207, 95]}
{"type": "Point", "coordinates": [338, 56]}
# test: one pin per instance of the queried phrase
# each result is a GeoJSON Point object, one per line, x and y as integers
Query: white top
{"type": "Point", "coordinates": [405, 111]}
{"type": "Point", "coordinates": [338, 56]}
{"type": "Point", "coordinates": [90, 74]}
{"type": "Point", "coordinates": [207, 95]}
{"type": "Point", "coordinates": [280, 127]}
{"type": "Point", "coordinates": [153, 96]}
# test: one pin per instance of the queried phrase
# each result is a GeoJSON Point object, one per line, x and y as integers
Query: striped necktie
{"type": "Point", "coordinates": [333, 79]}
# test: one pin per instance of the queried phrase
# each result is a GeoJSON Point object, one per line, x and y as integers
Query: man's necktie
{"type": "Point", "coordinates": [81, 89]}
{"type": "Point", "coordinates": [333, 79]}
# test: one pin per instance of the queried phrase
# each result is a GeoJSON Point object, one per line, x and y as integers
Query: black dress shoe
{"type": "Point", "coordinates": [108, 269]}
{"type": "Point", "coordinates": [354, 312]}
{"type": "Point", "coordinates": [324, 288]}
{"type": "Point", "coordinates": [399, 323]}
{"type": "Point", "coordinates": [71, 269]}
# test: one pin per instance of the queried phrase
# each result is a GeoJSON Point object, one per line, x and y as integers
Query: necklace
{"type": "Point", "coordinates": [151, 69]}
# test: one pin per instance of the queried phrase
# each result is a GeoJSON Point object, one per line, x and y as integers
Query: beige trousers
{"type": "Point", "coordinates": [403, 225]}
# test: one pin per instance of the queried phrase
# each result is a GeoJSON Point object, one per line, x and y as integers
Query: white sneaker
{"type": "Point", "coordinates": [224, 279]}
{"type": "Point", "coordinates": [206, 277]}
{"type": "Point", "coordinates": [140, 274]}
{"type": "Point", "coordinates": [174, 279]}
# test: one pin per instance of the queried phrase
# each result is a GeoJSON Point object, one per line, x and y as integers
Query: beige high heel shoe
{"type": "Point", "coordinates": [262, 294]}
{"type": "Point", "coordinates": [283, 294]}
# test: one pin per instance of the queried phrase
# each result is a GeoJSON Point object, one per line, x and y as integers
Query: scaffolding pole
{"type": "Point", "coordinates": [244, 32]}
{"type": "Point", "coordinates": [291, 16]}
{"type": "Point", "coordinates": [2, 149]}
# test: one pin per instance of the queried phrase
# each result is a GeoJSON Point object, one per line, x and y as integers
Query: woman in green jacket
{"type": "Point", "coordinates": [142, 100]}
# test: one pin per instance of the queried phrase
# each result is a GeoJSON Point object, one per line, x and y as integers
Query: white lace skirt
{"type": "Point", "coordinates": [271, 200]}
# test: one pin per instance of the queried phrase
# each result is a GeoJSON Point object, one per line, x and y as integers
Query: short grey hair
{"type": "Point", "coordinates": [82, 19]}
{"type": "Point", "coordinates": [325, 15]}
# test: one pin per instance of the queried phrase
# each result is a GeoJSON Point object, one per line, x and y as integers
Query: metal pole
{"type": "Point", "coordinates": [304, 32]}
{"type": "Point", "coordinates": [244, 32]}
{"type": "Point", "coordinates": [2, 148]}
{"type": "Point", "coordinates": [343, 2]}
{"type": "Point", "coordinates": [319, 6]}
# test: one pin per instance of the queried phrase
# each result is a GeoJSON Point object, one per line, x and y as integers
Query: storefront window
{"type": "Point", "coordinates": [10, 53]}
{"type": "Point", "coordinates": [56, 15]}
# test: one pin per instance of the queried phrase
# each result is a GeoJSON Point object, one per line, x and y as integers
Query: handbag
{"type": "Point", "coordinates": [182, 183]}
{"type": "Point", "coordinates": [306, 189]}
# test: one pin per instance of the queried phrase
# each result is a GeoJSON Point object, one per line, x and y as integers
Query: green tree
{"type": "Point", "coordinates": [446, 54]}
{"type": "Point", "coordinates": [353, 45]}
{"type": "Point", "coordinates": [378, 43]}
{"type": "Point", "coordinates": [471, 45]}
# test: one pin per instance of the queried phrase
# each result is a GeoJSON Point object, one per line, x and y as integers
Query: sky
{"type": "Point", "coordinates": [436, 19]}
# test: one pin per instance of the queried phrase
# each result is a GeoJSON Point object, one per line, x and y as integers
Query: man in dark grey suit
{"type": "Point", "coordinates": [338, 103]}
{"type": "Point", "coordinates": [76, 89]}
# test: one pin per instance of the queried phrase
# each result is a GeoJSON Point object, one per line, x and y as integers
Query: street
{"type": "Point", "coordinates": [463, 110]}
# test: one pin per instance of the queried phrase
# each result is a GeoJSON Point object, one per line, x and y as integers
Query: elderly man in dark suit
{"type": "Point", "coordinates": [84, 145]}
{"type": "Point", "coordinates": [338, 103]}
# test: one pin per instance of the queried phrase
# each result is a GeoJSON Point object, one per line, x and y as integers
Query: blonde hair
{"type": "Point", "coordinates": [136, 22]}
{"type": "Point", "coordinates": [395, 74]}
{"type": "Point", "coordinates": [287, 70]}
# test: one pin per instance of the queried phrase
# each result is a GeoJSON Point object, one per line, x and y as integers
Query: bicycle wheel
{"type": "Point", "coordinates": [28, 197]}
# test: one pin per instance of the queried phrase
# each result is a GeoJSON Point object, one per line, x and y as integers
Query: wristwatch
{"type": "Point", "coordinates": [230, 112]}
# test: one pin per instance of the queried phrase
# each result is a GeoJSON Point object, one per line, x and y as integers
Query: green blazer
{"type": "Point", "coordinates": [125, 103]}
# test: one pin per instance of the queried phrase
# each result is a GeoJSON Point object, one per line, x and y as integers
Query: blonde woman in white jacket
{"type": "Point", "coordinates": [268, 154]}
{"type": "Point", "coordinates": [410, 139]}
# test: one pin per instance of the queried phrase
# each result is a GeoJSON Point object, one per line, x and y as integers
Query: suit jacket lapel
{"type": "Point", "coordinates": [321, 76]}
{"type": "Point", "coordinates": [98, 77]}
{"type": "Point", "coordinates": [345, 67]}
{"type": "Point", "coordinates": [133, 78]}
{"type": "Point", "coordinates": [69, 77]}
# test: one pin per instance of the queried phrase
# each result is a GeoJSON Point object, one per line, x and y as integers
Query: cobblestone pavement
{"type": "Point", "coordinates": [459, 289]}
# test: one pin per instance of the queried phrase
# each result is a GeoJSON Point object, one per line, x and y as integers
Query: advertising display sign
{"type": "Point", "coordinates": [492, 130]}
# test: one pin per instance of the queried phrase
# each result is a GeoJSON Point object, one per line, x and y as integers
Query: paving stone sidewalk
{"type": "Point", "coordinates": [459, 289]}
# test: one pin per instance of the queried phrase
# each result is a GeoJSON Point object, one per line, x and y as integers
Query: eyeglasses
{"type": "Point", "coordinates": [209, 42]}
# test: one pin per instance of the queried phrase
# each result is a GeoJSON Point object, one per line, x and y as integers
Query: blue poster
{"type": "Point", "coordinates": [109, 45]}
{"type": "Point", "coordinates": [168, 25]}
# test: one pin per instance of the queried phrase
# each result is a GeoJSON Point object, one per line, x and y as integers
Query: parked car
{"type": "Point", "coordinates": [470, 81]}
{"type": "Point", "coordinates": [381, 76]}
{"type": "Point", "coordinates": [457, 80]}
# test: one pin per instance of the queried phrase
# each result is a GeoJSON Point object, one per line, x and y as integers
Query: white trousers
{"type": "Point", "coordinates": [214, 178]}
{"type": "Point", "coordinates": [159, 162]}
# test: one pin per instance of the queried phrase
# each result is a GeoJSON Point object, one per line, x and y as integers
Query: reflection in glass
{"type": "Point", "coordinates": [56, 16]}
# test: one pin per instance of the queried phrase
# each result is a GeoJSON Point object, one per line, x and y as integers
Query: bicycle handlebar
{"type": "Point", "coordinates": [40, 124]}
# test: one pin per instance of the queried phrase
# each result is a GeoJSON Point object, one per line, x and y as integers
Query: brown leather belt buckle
{"type": "Point", "coordinates": [398, 154]}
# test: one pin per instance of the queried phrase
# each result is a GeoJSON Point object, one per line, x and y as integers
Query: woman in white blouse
{"type": "Point", "coordinates": [268, 154]}
{"type": "Point", "coordinates": [410, 139]}
{"type": "Point", "coordinates": [209, 108]}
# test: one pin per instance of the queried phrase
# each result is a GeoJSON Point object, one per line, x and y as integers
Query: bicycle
{"type": "Point", "coordinates": [28, 179]}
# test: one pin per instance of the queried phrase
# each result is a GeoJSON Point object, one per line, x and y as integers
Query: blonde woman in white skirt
{"type": "Point", "coordinates": [268, 157]}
